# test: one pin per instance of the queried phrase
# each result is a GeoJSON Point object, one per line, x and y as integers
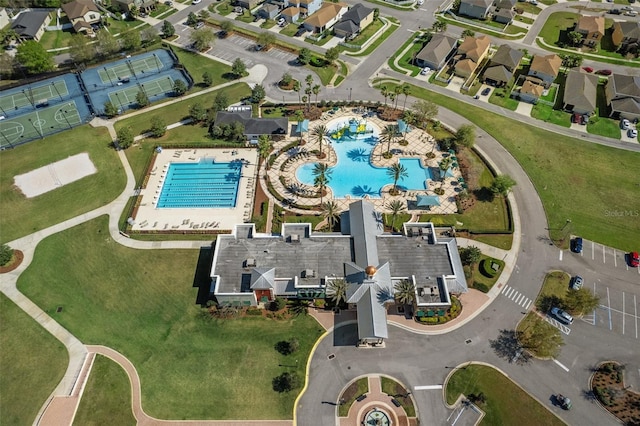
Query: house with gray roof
{"type": "Point", "coordinates": [254, 127]}
{"type": "Point", "coordinates": [502, 65]}
{"type": "Point", "coordinates": [478, 9]}
{"type": "Point", "coordinates": [356, 19]}
{"type": "Point", "coordinates": [580, 91]}
{"type": "Point", "coordinates": [250, 269]}
{"type": "Point", "coordinates": [436, 52]}
{"type": "Point", "coordinates": [623, 95]}
{"type": "Point", "coordinates": [30, 25]}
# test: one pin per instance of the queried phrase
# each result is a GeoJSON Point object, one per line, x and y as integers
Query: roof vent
{"type": "Point", "coordinates": [309, 273]}
{"type": "Point", "coordinates": [295, 238]}
{"type": "Point", "coordinates": [250, 262]}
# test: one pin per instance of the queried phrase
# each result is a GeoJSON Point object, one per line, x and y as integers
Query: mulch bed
{"type": "Point", "coordinates": [18, 256]}
{"type": "Point", "coordinates": [608, 387]}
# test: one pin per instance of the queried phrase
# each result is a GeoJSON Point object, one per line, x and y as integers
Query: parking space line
{"type": "Point", "coordinates": [623, 314]}
{"type": "Point", "coordinates": [604, 252]}
{"type": "Point", "coordinates": [561, 251]}
{"type": "Point", "coordinates": [635, 311]}
{"type": "Point", "coordinates": [560, 365]}
{"type": "Point", "coordinates": [609, 307]}
{"type": "Point", "coordinates": [615, 258]}
{"type": "Point", "coordinates": [593, 250]}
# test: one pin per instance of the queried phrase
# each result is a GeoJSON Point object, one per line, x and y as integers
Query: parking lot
{"type": "Point", "coordinates": [618, 311]}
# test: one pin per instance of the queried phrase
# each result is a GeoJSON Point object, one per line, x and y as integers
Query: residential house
{"type": "Point", "coordinates": [502, 65]}
{"type": "Point", "coordinates": [269, 11]}
{"type": "Point", "coordinates": [580, 92]}
{"type": "Point", "coordinates": [478, 9]}
{"type": "Point", "coordinates": [531, 90]}
{"type": "Point", "coordinates": [4, 17]}
{"type": "Point", "coordinates": [623, 95]}
{"type": "Point", "coordinates": [82, 14]}
{"type": "Point", "coordinates": [291, 14]}
{"type": "Point", "coordinates": [254, 127]}
{"type": "Point", "coordinates": [309, 7]}
{"type": "Point", "coordinates": [30, 25]}
{"type": "Point", "coordinates": [247, 4]}
{"type": "Point", "coordinates": [252, 269]}
{"type": "Point", "coordinates": [125, 5]}
{"type": "Point", "coordinates": [470, 53]}
{"type": "Point", "coordinates": [626, 35]}
{"type": "Point", "coordinates": [546, 68]}
{"type": "Point", "coordinates": [356, 19]}
{"type": "Point", "coordinates": [436, 52]}
{"type": "Point", "coordinates": [503, 11]}
{"type": "Point", "coordinates": [328, 15]}
{"type": "Point", "coordinates": [591, 28]}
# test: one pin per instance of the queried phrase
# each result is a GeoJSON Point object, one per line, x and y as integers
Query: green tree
{"type": "Point", "coordinates": [107, 44]}
{"type": "Point", "coordinates": [425, 111]}
{"type": "Point", "coordinates": [34, 58]}
{"type": "Point", "coordinates": [316, 90]}
{"type": "Point", "coordinates": [296, 88]}
{"type": "Point", "coordinates": [131, 40]}
{"type": "Point", "coordinates": [124, 137]}
{"type": "Point", "coordinates": [542, 339]}
{"type": "Point", "coordinates": [396, 207]}
{"type": "Point", "coordinates": [405, 292]}
{"type": "Point", "coordinates": [445, 164]}
{"type": "Point", "coordinates": [227, 26]}
{"type": "Point", "coordinates": [192, 18]}
{"type": "Point", "coordinates": [149, 36]}
{"type": "Point", "coordinates": [468, 33]}
{"type": "Point", "coordinates": [405, 89]}
{"type": "Point", "coordinates": [575, 38]}
{"type": "Point", "coordinates": [286, 79]}
{"type": "Point", "coordinates": [331, 55]}
{"type": "Point", "coordinates": [466, 135]}
{"type": "Point", "coordinates": [266, 39]}
{"type": "Point", "coordinates": [320, 132]}
{"type": "Point", "coordinates": [264, 146]}
{"type": "Point", "coordinates": [258, 94]}
{"type": "Point", "coordinates": [470, 255]}
{"type": "Point", "coordinates": [207, 79]}
{"type": "Point", "coordinates": [581, 301]}
{"type": "Point", "coordinates": [134, 11]}
{"type": "Point", "coordinates": [502, 184]}
{"type": "Point", "coordinates": [168, 30]}
{"type": "Point", "coordinates": [397, 172]}
{"type": "Point", "coordinates": [388, 135]}
{"type": "Point", "coordinates": [142, 99]}
{"type": "Point", "coordinates": [439, 26]}
{"type": "Point", "coordinates": [384, 91]}
{"type": "Point", "coordinates": [80, 50]}
{"type": "Point", "coordinates": [197, 112]}
{"type": "Point", "coordinates": [286, 382]}
{"type": "Point", "coordinates": [6, 254]}
{"type": "Point", "coordinates": [202, 39]}
{"type": "Point", "coordinates": [331, 213]}
{"type": "Point", "coordinates": [337, 291]}
{"type": "Point", "coordinates": [238, 68]}
{"type": "Point", "coordinates": [221, 101]}
{"type": "Point", "coordinates": [304, 56]}
{"type": "Point", "coordinates": [110, 110]}
{"type": "Point", "coordinates": [321, 177]}
{"type": "Point", "coordinates": [376, 13]}
{"type": "Point", "coordinates": [158, 127]}
{"type": "Point", "coordinates": [179, 87]}
{"type": "Point", "coordinates": [204, 14]}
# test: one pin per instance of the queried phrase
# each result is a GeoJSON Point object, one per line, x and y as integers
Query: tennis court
{"type": "Point", "coordinates": [41, 122]}
{"type": "Point", "coordinates": [151, 88]}
{"type": "Point", "coordinates": [132, 68]}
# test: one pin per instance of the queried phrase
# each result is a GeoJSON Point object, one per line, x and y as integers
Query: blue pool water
{"type": "Point", "coordinates": [200, 185]}
{"type": "Point", "coordinates": [354, 175]}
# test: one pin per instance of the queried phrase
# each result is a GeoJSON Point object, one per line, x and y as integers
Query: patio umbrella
{"type": "Point", "coordinates": [402, 126]}
{"type": "Point", "coordinates": [303, 126]}
{"type": "Point", "coordinates": [427, 200]}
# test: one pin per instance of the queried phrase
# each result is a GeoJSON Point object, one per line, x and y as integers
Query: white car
{"type": "Point", "coordinates": [562, 315]}
{"type": "Point", "coordinates": [281, 21]}
{"type": "Point", "coordinates": [195, 1]}
{"type": "Point", "coordinates": [625, 124]}
{"type": "Point", "coordinates": [534, 2]}
{"type": "Point", "coordinates": [420, 2]}
{"type": "Point", "coordinates": [425, 71]}
{"type": "Point", "coordinates": [632, 133]}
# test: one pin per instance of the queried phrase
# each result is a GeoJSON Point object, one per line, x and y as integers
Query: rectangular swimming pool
{"type": "Point", "coordinates": [204, 184]}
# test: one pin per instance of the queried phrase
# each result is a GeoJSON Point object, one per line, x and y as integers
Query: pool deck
{"type": "Point", "coordinates": [150, 218]}
{"type": "Point", "coordinates": [419, 144]}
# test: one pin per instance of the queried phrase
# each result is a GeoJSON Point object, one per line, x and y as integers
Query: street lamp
{"type": "Point", "coordinates": [350, 94]}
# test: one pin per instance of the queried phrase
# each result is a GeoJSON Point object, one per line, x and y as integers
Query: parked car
{"type": "Point", "coordinates": [562, 316]}
{"type": "Point", "coordinates": [281, 21]}
{"type": "Point", "coordinates": [486, 91]}
{"type": "Point", "coordinates": [615, 11]}
{"type": "Point", "coordinates": [222, 34]}
{"type": "Point", "coordinates": [576, 282]}
{"type": "Point", "coordinates": [199, 25]}
{"type": "Point", "coordinates": [576, 245]}
{"type": "Point", "coordinates": [604, 72]}
{"type": "Point", "coordinates": [631, 13]}
{"type": "Point", "coordinates": [258, 47]}
{"type": "Point", "coordinates": [168, 3]}
{"type": "Point", "coordinates": [420, 2]}
{"type": "Point", "coordinates": [587, 69]}
{"type": "Point", "coordinates": [626, 8]}
{"type": "Point", "coordinates": [300, 31]}
{"type": "Point", "coordinates": [632, 133]}
{"type": "Point", "coordinates": [534, 2]}
{"type": "Point", "coordinates": [425, 71]}
{"type": "Point", "coordinates": [143, 15]}
{"type": "Point", "coordinates": [579, 118]}
{"type": "Point", "coordinates": [634, 259]}
{"type": "Point", "coordinates": [563, 401]}
{"type": "Point", "coordinates": [195, 1]}
{"type": "Point", "coordinates": [624, 124]}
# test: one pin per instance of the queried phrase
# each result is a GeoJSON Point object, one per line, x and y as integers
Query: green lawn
{"type": "Point", "coordinates": [378, 41]}
{"type": "Point", "coordinates": [506, 403]}
{"type": "Point", "coordinates": [555, 24]}
{"type": "Point", "coordinates": [528, 7]}
{"type": "Point", "coordinates": [56, 39]}
{"type": "Point", "coordinates": [180, 110]}
{"type": "Point", "coordinates": [32, 363]}
{"type": "Point", "coordinates": [20, 216]}
{"type": "Point", "coordinates": [367, 33]}
{"type": "Point", "coordinates": [555, 285]}
{"type": "Point", "coordinates": [198, 64]}
{"type": "Point", "coordinates": [107, 396]}
{"type": "Point", "coordinates": [361, 386]}
{"type": "Point", "coordinates": [482, 282]}
{"type": "Point", "coordinates": [500, 97]}
{"type": "Point", "coordinates": [577, 180]}
{"type": "Point", "coordinates": [604, 127]}
{"type": "Point", "coordinates": [191, 366]}
{"type": "Point", "coordinates": [547, 113]}
{"type": "Point", "coordinates": [117, 27]}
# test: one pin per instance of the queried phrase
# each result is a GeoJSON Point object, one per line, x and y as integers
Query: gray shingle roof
{"type": "Point", "coordinates": [365, 223]}
{"type": "Point", "coordinates": [507, 56]}
{"type": "Point", "coordinates": [437, 49]}
{"type": "Point", "coordinates": [254, 126]}
{"type": "Point", "coordinates": [357, 13]}
{"type": "Point", "coordinates": [28, 24]}
{"type": "Point", "coordinates": [498, 73]}
{"type": "Point", "coordinates": [580, 91]}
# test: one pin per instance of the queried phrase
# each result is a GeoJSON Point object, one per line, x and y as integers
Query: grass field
{"type": "Point", "coordinates": [191, 366]}
{"type": "Point", "coordinates": [555, 286]}
{"type": "Point", "coordinates": [197, 64]}
{"type": "Point", "coordinates": [32, 362]}
{"type": "Point", "coordinates": [575, 179]}
{"type": "Point", "coordinates": [20, 216]}
{"type": "Point", "coordinates": [506, 403]}
{"type": "Point", "coordinates": [107, 396]}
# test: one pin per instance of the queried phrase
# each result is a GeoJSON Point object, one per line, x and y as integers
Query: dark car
{"type": "Point", "coordinates": [576, 245]}
{"type": "Point", "coordinates": [604, 72]}
{"type": "Point", "coordinates": [615, 11]}
{"type": "Point", "coordinates": [587, 69]}
{"type": "Point", "coordinates": [563, 401]}
{"type": "Point", "coordinates": [486, 91]}
{"type": "Point", "coordinates": [222, 34]}
{"type": "Point", "coordinates": [300, 32]}
{"type": "Point", "coordinates": [634, 259]}
{"type": "Point", "coordinates": [576, 282]}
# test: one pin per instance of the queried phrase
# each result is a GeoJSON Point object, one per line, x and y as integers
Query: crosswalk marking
{"type": "Point", "coordinates": [517, 297]}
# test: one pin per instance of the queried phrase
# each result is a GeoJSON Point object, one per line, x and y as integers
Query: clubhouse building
{"type": "Point", "coordinates": [251, 269]}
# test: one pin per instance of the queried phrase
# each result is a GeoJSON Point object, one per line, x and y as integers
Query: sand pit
{"type": "Point", "coordinates": [55, 175]}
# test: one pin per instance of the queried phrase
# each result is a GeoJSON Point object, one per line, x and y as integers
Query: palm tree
{"type": "Point", "coordinates": [384, 92]}
{"type": "Point", "coordinates": [444, 166]}
{"type": "Point", "coordinates": [299, 115]}
{"type": "Point", "coordinates": [396, 207]}
{"type": "Point", "coordinates": [320, 132]}
{"type": "Point", "coordinates": [296, 88]}
{"type": "Point", "coordinates": [388, 135]}
{"type": "Point", "coordinates": [331, 213]}
{"type": "Point", "coordinates": [308, 91]}
{"type": "Point", "coordinates": [395, 172]}
{"type": "Point", "coordinates": [405, 292]}
{"type": "Point", "coordinates": [264, 146]}
{"type": "Point", "coordinates": [322, 176]}
{"type": "Point", "coordinates": [316, 89]}
{"type": "Point", "coordinates": [309, 80]}
{"type": "Point", "coordinates": [392, 98]}
{"type": "Point", "coordinates": [405, 89]}
{"type": "Point", "coordinates": [337, 289]}
{"type": "Point", "coordinates": [396, 91]}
